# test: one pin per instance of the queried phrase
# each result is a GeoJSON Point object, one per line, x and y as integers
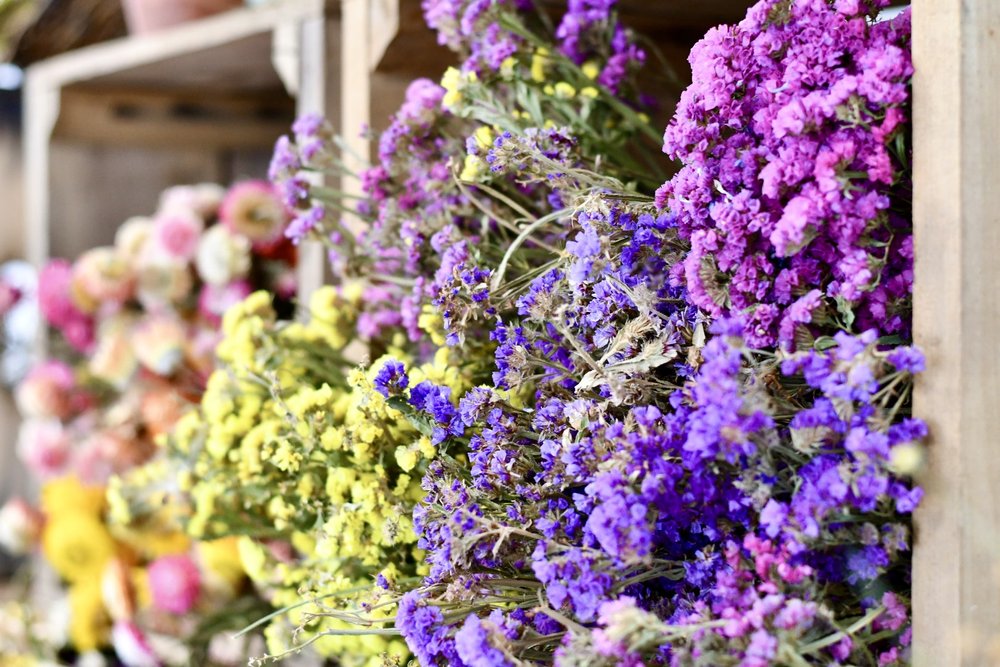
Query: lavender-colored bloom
{"type": "Point", "coordinates": [304, 222]}
{"type": "Point", "coordinates": [769, 192]}
{"type": "Point", "coordinates": [391, 378]}
{"type": "Point", "coordinates": [472, 643]}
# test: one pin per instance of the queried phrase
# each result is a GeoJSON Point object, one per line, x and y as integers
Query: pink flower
{"type": "Point", "coordinates": [202, 200]}
{"type": "Point", "coordinates": [253, 209]}
{"type": "Point", "coordinates": [176, 233]}
{"type": "Point", "coordinates": [20, 526]}
{"type": "Point", "coordinates": [47, 391]}
{"type": "Point", "coordinates": [158, 343]}
{"type": "Point", "coordinates": [174, 582]}
{"type": "Point", "coordinates": [9, 296]}
{"type": "Point", "coordinates": [44, 446]}
{"type": "Point", "coordinates": [131, 646]}
{"type": "Point", "coordinates": [56, 303]}
{"type": "Point", "coordinates": [99, 276]}
{"type": "Point", "coordinates": [215, 300]}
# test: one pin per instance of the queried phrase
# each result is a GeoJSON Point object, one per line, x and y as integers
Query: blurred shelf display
{"type": "Point", "coordinates": [107, 127]}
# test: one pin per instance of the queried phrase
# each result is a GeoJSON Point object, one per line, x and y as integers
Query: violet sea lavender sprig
{"type": "Point", "coordinates": [795, 172]}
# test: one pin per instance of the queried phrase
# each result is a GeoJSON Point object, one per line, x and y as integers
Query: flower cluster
{"type": "Point", "coordinates": [141, 318]}
{"type": "Point", "coordinates": [513, 117]}
{"type": "Point", "coordinates": [309, 460]}
{"type": "Point", "coordinates": [794, 189]}
{"type": "Point", "coordinates": [682, 454]}
{"type": "Point", "coordinates": [592, 425]}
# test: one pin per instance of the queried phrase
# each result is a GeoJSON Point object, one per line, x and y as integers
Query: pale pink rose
{"type": "Point", "coordinates": [254, 209]}
{"type": "Point", "coordinates": [158, 342]}
{"type": "Point", "coordinates": [286, 285]}
{"type": "Point", "coordinates": [90, 464]}
{"type": "Point", "coordinates": [161, 284]}
{"type": "Point", "coordinates": [131, 645]}
{"type": "Point", "coordinates": [215, 300]}
{"type": "Point", "coordinates": [202, 200]}
{"type": "Point", "coordinates": [176, 234]}
{"type": "Point", "coordinates": [109, 452]}
{"type": "Point", "coordinates": [131, 238]}
{"type": "Point", "coordinates": [115, 360]}
{"type": "Point", "coordinates": [174, 583]}
{"type": "Point", "coordinates": [20, 526]}
{"type": "Point", "coordinates": [44, 446]}
{"type": "Point", "coordinates": [47, 391]}
{"type": "Point", "coordinates": [100, 276]}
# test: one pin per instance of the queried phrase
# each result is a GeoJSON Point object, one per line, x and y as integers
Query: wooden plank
{"type": "Point", "coordinates": [41, 104]}
{"type": "Point", "coordinates": [956, 586]}
{"type": "Point", "coordinates": [153, 59]}
{"type": "Point", "coordinates": [94, 189]}
{"type": "Point", "coordinates": [170, 119]}
{"type": "Point", "coordinates": [356, 79]}
{"type": "Point", "coordinates": [319, 91]}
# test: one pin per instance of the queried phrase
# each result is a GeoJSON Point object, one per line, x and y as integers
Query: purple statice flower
{"type": "Point", "coordinates": [723, 423]}
{"type": "Point", "coordinates": [391, 379]}
{"type": "Point", "coordinates": [582, 21]}
{"type": "Point", "coordinates": [474, 640]}
{"type": "Point", "coordinates": [423, 627]}
{"type": "Point", "coordinates": [619, 520]}
{"type": "Point", "coordinates": [305, 222]}
{"type": "Point", "coordinates": [789, 177]}
{"type": "Point", "coordinates": [907, 359]}
{"type": "Point", "coordinates": [573, 579]}
{"type": "Point", "coordinates": [435, 400]}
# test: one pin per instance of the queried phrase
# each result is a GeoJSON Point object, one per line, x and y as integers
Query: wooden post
{"type": "Point", "coordinates": [355, 112]}
{"type": "Point", "coordinates": [318, 91]}
{"type": "Point", "coordinates": [956, 587]}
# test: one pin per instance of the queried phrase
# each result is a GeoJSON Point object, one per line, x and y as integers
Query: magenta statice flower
{"type": "Point", "coordinates": [791, 177]}
{"type": "Point", "coordinates": [56, 302]}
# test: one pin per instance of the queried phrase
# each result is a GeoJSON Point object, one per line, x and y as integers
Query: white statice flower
{"type": "Point", "coordinates": [222, 256]}
{"type": "Point", "coordinates": [20, 527]}
{"type": "Point", "coordinates": [131, 645]}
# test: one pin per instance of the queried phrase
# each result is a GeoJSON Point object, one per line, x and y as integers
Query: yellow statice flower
{"type": "Point", "coordinates": [70, 494]}
{"type": "Point", "coordinates": [431, 322]}
{"type": "Point", "coordinates": [540, 64]}
{"type": "Point", "coordinates": [77, 544]}
{"type": "Point", "coordinates": [473, 168]}
{"type": "Point", "coordinates": [564, 91]}
{"type": "Point", "coordinates": [451, 81]}
{"type": "Point", "coordinates": [220, 562]}
{"type": "Point", "coordinates": [89, 621]}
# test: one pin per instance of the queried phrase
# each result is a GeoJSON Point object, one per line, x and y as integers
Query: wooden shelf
{"type": "Point", "coordinates": [109, 126]}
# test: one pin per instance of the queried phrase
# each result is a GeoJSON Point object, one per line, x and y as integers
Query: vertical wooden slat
{"type": "Point", "coordinates": [319, 91]}
{"type": "Point", "coordinates": [956, 139]}
{"type": "Point", "coordinates": [357, 83]}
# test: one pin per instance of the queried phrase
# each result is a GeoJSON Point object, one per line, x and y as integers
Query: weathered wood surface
{"type": "Point", "coordinates": [956, 585]}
